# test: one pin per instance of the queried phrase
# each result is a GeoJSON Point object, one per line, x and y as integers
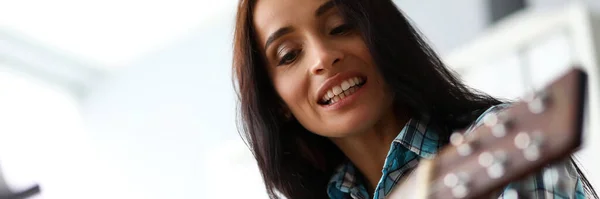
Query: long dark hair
{"type": "Point", "coordinates": [297, 163]}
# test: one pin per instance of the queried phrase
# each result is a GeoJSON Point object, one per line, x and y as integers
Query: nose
{"type": "Point", "coordinates": [327, 55]}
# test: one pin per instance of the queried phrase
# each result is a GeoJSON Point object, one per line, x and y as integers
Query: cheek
{"type": "Point", "coordinates": [293, 89]}
{"type": "Point", "coordinates": [362, 52]}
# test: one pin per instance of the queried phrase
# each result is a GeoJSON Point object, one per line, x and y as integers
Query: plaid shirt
{"type": "Point", "coordinates": [420, 140]}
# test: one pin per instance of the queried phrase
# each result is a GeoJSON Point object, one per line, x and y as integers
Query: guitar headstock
{"type": "Point", "coordinates": [541, 129]}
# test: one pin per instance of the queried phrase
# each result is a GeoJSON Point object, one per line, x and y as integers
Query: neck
{"type": "Point", "coordinates": [368, 150]}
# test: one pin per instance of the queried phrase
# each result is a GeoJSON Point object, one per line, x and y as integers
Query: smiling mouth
{"type": "Point", "coordinates": [339, 92]}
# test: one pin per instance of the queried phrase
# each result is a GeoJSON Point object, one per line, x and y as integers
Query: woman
{"type": "Point", "coordinates": [334, 93]}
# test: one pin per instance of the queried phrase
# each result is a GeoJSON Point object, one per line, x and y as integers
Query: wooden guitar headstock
{"type": "Point", "coordinates": [544, 128]}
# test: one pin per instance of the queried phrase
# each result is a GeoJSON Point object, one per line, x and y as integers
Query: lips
{"type": "Point", "coordinates": [339, 92]}
{"type": "Point", "coordinates": [340, 87]}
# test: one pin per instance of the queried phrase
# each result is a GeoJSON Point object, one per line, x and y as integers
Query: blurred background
{"type": "Point", "coordinates": [134, 99]}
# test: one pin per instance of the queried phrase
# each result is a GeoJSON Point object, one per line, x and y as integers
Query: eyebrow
{"type": "Point", "coordinates": [324, 8]}
{"type": "Point", "coordinates": [277, 34]}
{"type": "Point", "coordinates": [285, 30]}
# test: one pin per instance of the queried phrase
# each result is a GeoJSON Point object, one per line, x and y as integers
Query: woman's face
{"type": "Point", "coordinates": [320, 66]}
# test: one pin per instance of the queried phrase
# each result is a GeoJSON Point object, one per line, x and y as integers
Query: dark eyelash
{"type": "Point", "coordinates": [342, 29]}
{"type": "Point", "coordinates": [285, 61]}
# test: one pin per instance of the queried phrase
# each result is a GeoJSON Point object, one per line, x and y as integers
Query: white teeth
{"type": "Point", "coordinates": [335, 99]}
{"type": "Point", "coordinates": [346, 88]}
{"type": "Point", "coordinates": [337, 90]}
{"type": "Point", "coordinates": [345, 85]}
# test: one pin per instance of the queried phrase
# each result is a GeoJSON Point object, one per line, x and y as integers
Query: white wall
{"type": "Point", "coordinates": [450, 24]}
{"type": "Point", "coordinates": [447, 24]}
{"type": "Point", "coordinates": [168, 121]}
{"type": "Point", "coordinates": [43, 141]}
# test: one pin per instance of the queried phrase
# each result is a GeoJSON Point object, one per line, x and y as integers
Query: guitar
{"type": "Point", "coordinates": [544, 128]}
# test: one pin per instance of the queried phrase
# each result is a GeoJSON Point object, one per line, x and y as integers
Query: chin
{"type": "Point", "coordinates": [350, 125]}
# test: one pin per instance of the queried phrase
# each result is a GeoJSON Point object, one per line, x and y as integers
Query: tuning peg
{"type": "Point", "coordinates": [522, 140]}
{"type": "Point", "coordinates": [463, 148]}
{"type": "Point", "coordinates": [458, 183]}
{"type": "Point", "coordinates": [532, 153]}
{"type": "Point", "coordinates": [494, 163]}
{"type": "Point", "coordinates": [530, 144]}
{"type": "Point", "coordinates": [460, 191]}
{"type": "Point", "coordinates": [499, 130]}
{"type": "Point", "coordinates": [450, 180]}
{"type": "Point", "coordinates": [536, 106]}
{"type": "Point", "coordinates": [496, 170]}
{"type": "Point", "coordinates": [455, 179]}
{"type": "Point", "coordinates": [490, 119]}
{"type": "Point", "coordinates": [457, 138]}
{"type": "Point", "coordinates": [499, 123]}
{"type": "Point", "coordinates": [486, 159]}
{"type": "Point", "coordinates": [537, 102]}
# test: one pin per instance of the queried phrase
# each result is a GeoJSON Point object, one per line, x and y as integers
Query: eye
{"type": "Point", "coordinates": [289, 57]}
{"type": "Point", "coordinates": [340, 30]}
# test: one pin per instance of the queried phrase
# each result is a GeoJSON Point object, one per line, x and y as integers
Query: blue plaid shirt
{"type": "Point", "coordinates": [420, 140]}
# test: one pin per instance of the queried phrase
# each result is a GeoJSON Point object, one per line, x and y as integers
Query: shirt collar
{"type": "Point", "coordinates": [418, 136]}
{"type": "Point", "coordinates": [421, 137]}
